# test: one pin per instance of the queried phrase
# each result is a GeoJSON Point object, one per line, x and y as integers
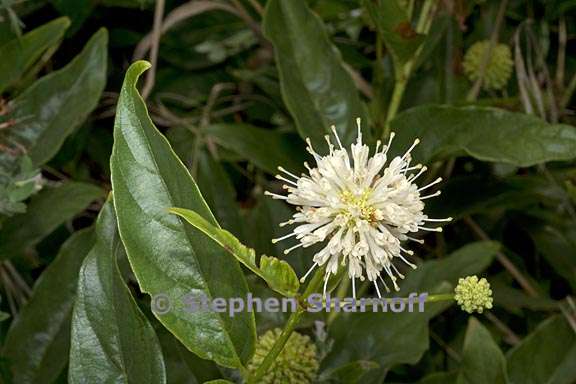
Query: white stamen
{"type": "Point", "coordinates": [431, 184]}
{"type": "Point", "coordinates": [275, 196]}
{"type": "Point", "coordinates": [274, 241]}
{"type": "Point", "coordinates": [303, 278]}
{"type": "Point", "coordinates": [439, 220]}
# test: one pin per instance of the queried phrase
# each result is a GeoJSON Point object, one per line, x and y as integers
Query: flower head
{"type": "Point", "coordinates": [296, 364]}
{"type": "Point", "coordinates": [473, 294]}
{"type": "Point", "coordinates": [499, 66]}
{"type": "Point", "coordinates": [361, 207]}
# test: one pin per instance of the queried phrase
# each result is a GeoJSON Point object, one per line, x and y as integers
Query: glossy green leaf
{"type": "Point", "coordinates": [111, 339]}
{"type": "Point", "coordinates": [482, 359]}
{"type": "Point", "coordinates": [168, 256]}
{"type": "Point", "coordinates": [316, 87]}
{"type": "Point", "coordinates": [277, 273]}
{"type": "Point", "coordinates": [46, 211]}
{"type": "Point", "coordinates": [394, 27]}
{"type": "Point", "coordinates": [48, 111]}
{"type": "Point", "coordinates": [266, 148]}
{"type": "Point", "coordinates": [469, 260]}
{"type": "Point", "coordinates": [386, 338]}
{"type": "Point", "coordinates": [19, 54]}
{"type": "Point", "coordinates": [485, 133]}
{"type": "Point", "coordinates": [38, 342]}
{"type": "Point", "coordinates": [549, 352]}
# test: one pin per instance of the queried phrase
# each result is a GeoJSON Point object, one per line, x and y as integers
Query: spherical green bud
{"type": "Point", "coordinates": [473, 294]}
{"type": "Point", "coordinates": [498, 68]}
{"type": "Point", "coordinates": [296, 364]}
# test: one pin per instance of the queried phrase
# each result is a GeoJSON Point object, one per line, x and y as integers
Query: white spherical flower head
{"type": "Point", "coordinates": [361, 207]}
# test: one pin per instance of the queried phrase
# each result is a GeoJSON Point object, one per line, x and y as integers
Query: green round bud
{"type": "Point", "coordinates": [473, 294]}
{"type": "Point", "coordinates": [498, 68]}
{"type": "Point", "coordinates": [296, 364]}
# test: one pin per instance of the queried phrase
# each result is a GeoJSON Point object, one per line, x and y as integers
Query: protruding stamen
{"type": "Point", "coordinates": [419, 241]}
{"type": "Point", "coordinates": [439, 220]}
{"type": "Point", "coordinates": [392, 134]}
{"type": "Point", "coordinates": [401, 276]}
{"type": "Point", "coordinates": [280, 177]}
{"type": "Point", "coordinates": [431, 184]}
{"type": "Point", "coordinates": [414, 177]}
{"type": "Point", "coordinates": [287, 251]}
{"type": "Point", "coordinates": [281, 169]}
{"type": "Point", "coordinates": [354, 287]}
{"type": "Point", "coordinates": [274, 241]}
{"type": "Point", "coordinates": [407, 251]}
{"type": "Point", "coordinates": [333, 128]}
{"type": "Point", "coordinates": [437, 229]}
{"type": "Point", "coordinates": [377, 289]}
{"type": "Point", "coordinates": [275, 196]}
{"type": "Point", "coordinates": [285, 223]}
{"type": "Point", "coordinates": [359, 125]}
{"type": "Point", "coordinates": [303, 278]}
{"type": "Point", "coordinates": [396, 287]}
{"type": "Point", "coordinates": [326, 278]}
{"type": "Point", "coordinates": [384, 283]}
{"type": "Point", "coordinates": [437, 193]}
{"type": "Point", "coordinates": [407, 262]}
{"type": "Point", "coordinates": [411, 148]}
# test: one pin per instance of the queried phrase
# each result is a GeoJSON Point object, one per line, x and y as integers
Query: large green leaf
{"type": "Point", "coordinates": [386, 338]}
{"type": "Point", "coordinates": [277, 273]}
{"type": "Point", "coordinates": [469, 260]}
{"type": "Point", "coordinates": [266, 148]}
{"type": "Point", "coordinates": [38, 342]}
{"type": "Point", "coordinates": [55, 105]}
{"type": "Point", "coordinates": [393, 25]}
{"type": "Point", "coordinates": [19, 54]}
{"type": "Point", "coordinates": [549, 352]}
{"type": "Point", "coordinates": [46, 211]}
{"type": "Point", "coordinates": [485, 133]}
{"type": "Point", "coordinates": [168, 256]}
{"type": "Point", "coordinates": [111, 339]}
{"type": "Point", "coordinates": [482, 360]}
{"type": "Point", "coordinates": [316, 88]}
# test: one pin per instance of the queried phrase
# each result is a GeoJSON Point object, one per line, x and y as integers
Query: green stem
{"type": "Point", "coordinates": [403, 74]}
{"type": "Point", "coordinates": [290, 326]}
{"type": "Point", "coordinates": [397, 94]}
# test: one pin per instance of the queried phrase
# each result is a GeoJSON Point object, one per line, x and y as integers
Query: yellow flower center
{"type": "Point", "coordinates": [357, 205]}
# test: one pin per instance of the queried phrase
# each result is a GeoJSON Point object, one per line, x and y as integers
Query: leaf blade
{"type": "Point", "coordinates": [316, 88]}
{"type": "Point", "coordinates": [148, 178]}
{"type": "Point", "coordinates": [107, 325]}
